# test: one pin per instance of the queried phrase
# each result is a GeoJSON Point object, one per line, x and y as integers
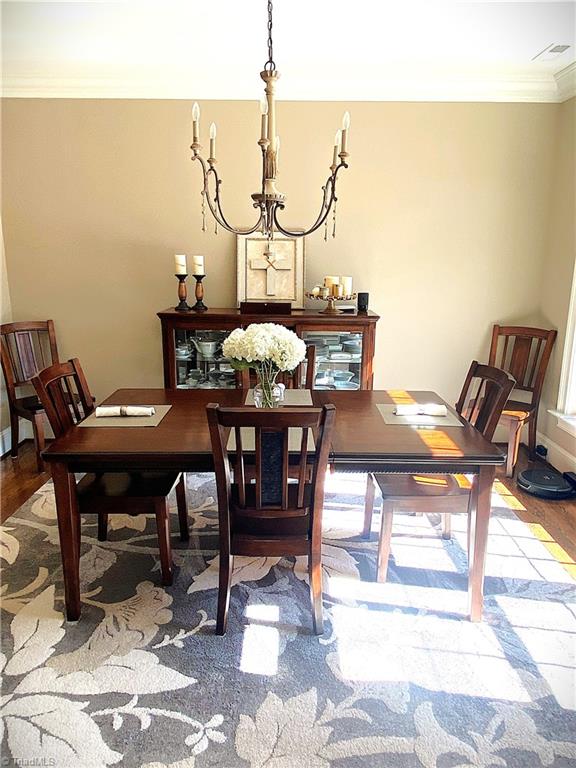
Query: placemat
{"type": "Point", "coordinates": [127, 421]}
{"type": "Point", "coordinates": [291, 397]}
{"type": "Point", "coordinates": [389, 417]}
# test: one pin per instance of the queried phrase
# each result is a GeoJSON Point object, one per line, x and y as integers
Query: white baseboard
{"type": "Point", "coordinates": [559, 457]}
{"type": "Point", "coordinates": [6, 441]}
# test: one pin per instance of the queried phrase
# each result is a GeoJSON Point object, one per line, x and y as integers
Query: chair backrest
{"type": "Point", "coordinates": [296, 380]}
{"type": "Point", "coordinates": [271, 497]}
{"type": "Point", "coordinates": [293, 380]}
{"type": "Point", "coordinates": [25, 349]}
{"type": "Point", "coordinates": [483, 397]}
{"type": "Point", "coordinates": [64, 394]}
{"type": "Point", "coordinates": [524, 353]}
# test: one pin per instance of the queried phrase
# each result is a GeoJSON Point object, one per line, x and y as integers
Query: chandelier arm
{"type": "Point", "coordinates": [221, 218]}
{"type": "Point", "coordinates": [217, 212]}
{"type": "Point", "coordinates": [325, 208]}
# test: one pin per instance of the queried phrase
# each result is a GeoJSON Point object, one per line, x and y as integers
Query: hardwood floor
{"type": "Point", "coordinates": [19, 479]}
{"type": "Point", "coordinates": [554, 522]}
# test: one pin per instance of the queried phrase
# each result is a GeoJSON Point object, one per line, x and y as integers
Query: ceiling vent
{"type": "Point", "coordinates": [551, 52]}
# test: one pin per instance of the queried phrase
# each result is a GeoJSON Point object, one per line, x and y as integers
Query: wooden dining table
{"type": "Point", "coordinates": [362, 442]}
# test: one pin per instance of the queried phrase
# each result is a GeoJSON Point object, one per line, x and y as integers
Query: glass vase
{"type": "Point", "coordinates": [267, 393]}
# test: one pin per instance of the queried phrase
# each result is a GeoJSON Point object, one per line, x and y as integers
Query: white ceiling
{"type": "Point", "coordinates": [325, 49]}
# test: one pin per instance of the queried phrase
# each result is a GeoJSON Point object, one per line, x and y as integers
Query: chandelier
{"type": "Point", "coordinates": [268, 201]}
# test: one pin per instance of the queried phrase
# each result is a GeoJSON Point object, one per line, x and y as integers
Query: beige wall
{"type": "Point", "coordinates": [442, 217]}
{"type": "Point", "coordinates": [558, 266]}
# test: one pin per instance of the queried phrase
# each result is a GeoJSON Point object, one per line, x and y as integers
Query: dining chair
{"type": "Point", "coordinates": [525, 353]}
{"type": "Point", "coordinates": [63, 391]}
{"type": "Point", "coordinates": [293, 379]}
{"type": "Point", "coordinates": [25, 349]}
{"type": "Point", "coordinates": [483, 395]}
{"type": "Point", "coordinates": [270, 516]}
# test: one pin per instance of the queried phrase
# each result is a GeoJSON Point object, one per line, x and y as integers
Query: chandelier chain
{"type": "Point", "coordinates": [270, 66]}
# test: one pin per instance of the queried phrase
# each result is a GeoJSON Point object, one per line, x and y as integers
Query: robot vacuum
{"type": "Point", "coordinates": [547, 483]}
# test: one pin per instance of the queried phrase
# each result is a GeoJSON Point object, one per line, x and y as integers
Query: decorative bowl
{"type": "Point", "coordinates": [346, 385]}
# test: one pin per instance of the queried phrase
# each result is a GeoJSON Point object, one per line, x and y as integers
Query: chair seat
{"type": "Point", "coordinates": [422, 486]}
{"type": "Point", "coordinates": [516, 409]}
{"type": "Point", "coordinates": [27, 405]}
{"type": "Point", "coordinates": [138, 491]}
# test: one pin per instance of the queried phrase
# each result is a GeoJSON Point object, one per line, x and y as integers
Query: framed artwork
{"type": "Point", "coordinates": [270, 270]}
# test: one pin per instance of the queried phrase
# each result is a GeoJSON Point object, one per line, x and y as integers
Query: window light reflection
{"type": "Point", "coordinates": [437, 654]}
{"type": "Point", "coordinates": [261, 642]}
{"type": "Point", "coordinates": [438, 442]}
{"type": "Point", "coordinates": [400, 396]}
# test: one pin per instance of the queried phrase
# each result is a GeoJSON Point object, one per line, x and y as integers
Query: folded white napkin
{"type": "Point", "coordinates": [421, 409]}
{"type": "Point", "coordinates": [124, 410]}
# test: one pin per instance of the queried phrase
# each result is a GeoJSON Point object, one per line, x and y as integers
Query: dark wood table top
{"type": "Point", "coordinates": [361, 433]}
{"type": "Point", "coordinates": [361, 438]}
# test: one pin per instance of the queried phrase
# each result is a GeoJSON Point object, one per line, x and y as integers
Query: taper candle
{"type": "Point", "coordinates": [264, 126]}
{"type": "Point", "coordinates": [213, 140]}
{"type": "Point", "coordinates": [180, 264]}
{"type": "Point", "coordinates": [336, 147]}
{"type": "Point", "coordinates": [345, 127]}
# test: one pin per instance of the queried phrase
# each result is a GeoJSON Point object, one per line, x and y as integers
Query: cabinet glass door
{"type": "Point", "coordinates": [199, 360]}
{"type": "Point", "coordinates": [338, 359]}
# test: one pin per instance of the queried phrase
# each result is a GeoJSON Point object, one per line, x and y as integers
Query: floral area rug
{"type": "Point", "coordinates": [400, 679]}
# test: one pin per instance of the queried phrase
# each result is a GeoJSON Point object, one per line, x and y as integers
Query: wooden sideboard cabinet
{"type": "Point", "coordinates": [192, 346]}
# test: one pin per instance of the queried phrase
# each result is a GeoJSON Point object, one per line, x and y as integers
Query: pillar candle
{"type": "Point", "coordinates": [331, 280]}
{"type": "Point", "coordinates": [198, 265]}
{"type": "Point", "coordinates": [346, 283]}
{"type": "Point", "coordinates": [180, 264]}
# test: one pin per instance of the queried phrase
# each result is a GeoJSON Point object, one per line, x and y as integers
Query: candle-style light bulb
{"type": "Point", "coordinates": [195, 121]}
{"type": "Point", "coordinates": [264, 120]}
{"type": "Point", "coordinates": [213, 141]}
{"type": "Point", "coordinates": [345, 127]}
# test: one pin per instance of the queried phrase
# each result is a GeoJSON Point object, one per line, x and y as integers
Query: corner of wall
{"type": "Point", "coordinates": [558, 274]}
{"type": "Point", "coordinates": [5, 317]}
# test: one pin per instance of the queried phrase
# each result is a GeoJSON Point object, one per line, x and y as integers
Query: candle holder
{"type": "Point", "coordinates": [183, 306]}
{"type": "Point", "coordinates": [331, 309]}
{"type": "Point", "coordinates": [199, 293]}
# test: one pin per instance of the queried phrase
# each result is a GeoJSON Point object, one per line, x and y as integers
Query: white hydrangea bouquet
{"type": "Point", "coordinates": [268, 349]}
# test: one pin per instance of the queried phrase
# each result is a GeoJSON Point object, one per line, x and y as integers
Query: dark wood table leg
{"type": "Point", "coordinates": [68, 516]}
{"type": "Point", "coordinates": [479, 519]}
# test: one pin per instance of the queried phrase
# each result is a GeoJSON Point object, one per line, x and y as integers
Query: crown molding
{"type": "Point", "coordinates": [412, 86]}
{"type": "Point", "coordinates": [566, 82]}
